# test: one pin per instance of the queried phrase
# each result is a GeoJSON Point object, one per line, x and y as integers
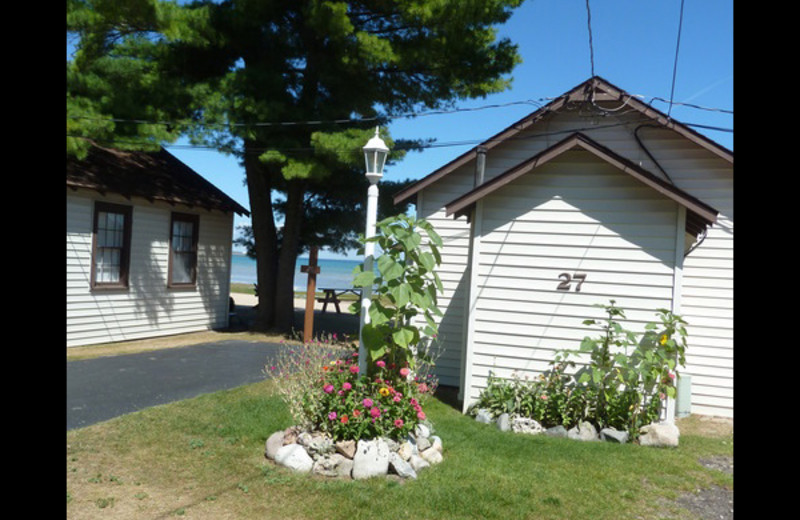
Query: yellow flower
{"type": "Point", "coordinates": [663, 339]}
{"type": "Point", "coordinates": [384, 391]}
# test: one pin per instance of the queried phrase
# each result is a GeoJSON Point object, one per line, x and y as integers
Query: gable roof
{"type": "Point", "coordinates": [595, 88]}
{"type": "Point", "coordinates": [699, 214]}
{"type": "Point", "coordinates": [151, 175]}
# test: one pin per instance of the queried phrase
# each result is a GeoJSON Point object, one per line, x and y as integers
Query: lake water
{"type": "Point", "coordinates": [333, 273]}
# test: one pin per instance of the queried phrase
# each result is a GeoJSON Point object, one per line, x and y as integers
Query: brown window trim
{"type": "Point", "coordinates": [125, 255]}
{"type": "Point", "coordinates": [195, 221]}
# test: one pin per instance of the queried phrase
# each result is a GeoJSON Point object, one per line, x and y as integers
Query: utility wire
{"type": "Point", "coordinates": [447, 144]}
{"type": "Point", "coordinates": [675, 65]}
{"type": "Point", "coordinates": [537, 103]}
{"type": "Point", "coordinates": [591, 44]}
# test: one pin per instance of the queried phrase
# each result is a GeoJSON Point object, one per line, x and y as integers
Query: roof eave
{"type": "Point", "coordinates": [607, 91]}
{"type": "Point", "coordinates": [464, 204]}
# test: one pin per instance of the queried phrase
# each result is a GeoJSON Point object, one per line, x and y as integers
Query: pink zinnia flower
{"type": "Point", "coordinates": [397, 398]}
{"type": "Point", "coordinates": [332, 416]}
{"type": "Point", "coordinates": [375, 413]}
{"type": "Point", "coordinates": [346, 386]}
{"type": "Point", "coordinates": [421, 415]}
{"type": "Point", "coordinates": [367, 402]}
{"type": "Point", "coordinates": [354, 369]}
{"type": "Point", "coordinates": [423, 388]}
{"type": "Point", "coordinates": [398, 423]}
{"type": "Point", "coordinates": [380, 364]}
{"type": "Point", "coordinates": [404, 371]}
{"type": "Point", "coordinates": [328, 388]}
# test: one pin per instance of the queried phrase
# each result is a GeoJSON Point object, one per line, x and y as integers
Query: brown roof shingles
{"type": "Point", "coordinates": [151, 175]}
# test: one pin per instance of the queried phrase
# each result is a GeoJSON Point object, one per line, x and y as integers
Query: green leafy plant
{"type": "Point", "coordinates": [622, 384]}
{"type": "Point", "coordinates": [630, 378]}
{"type": "Point", "coordinates": [325, 391]}
{"type": "Point", "coordinates": [406, 286]}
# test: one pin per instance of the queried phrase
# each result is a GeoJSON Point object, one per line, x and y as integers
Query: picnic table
{"type": "Point", "coordinates": [332, 296]}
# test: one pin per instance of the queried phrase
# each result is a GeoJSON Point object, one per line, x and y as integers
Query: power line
{"type": "Point", "coordinates": [675, 65]}
{"type": "Point", "coordinates": [410, 115]}
{"type": "Point", "coordinates": [446, 144]}
{"type": "Point", "coordinates": [591, 45]}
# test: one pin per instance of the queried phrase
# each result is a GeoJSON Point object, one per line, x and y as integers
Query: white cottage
{"type": "Point", "coordinates": [595, 196]}
{"type": "Point", "coordinates": [149, 245]}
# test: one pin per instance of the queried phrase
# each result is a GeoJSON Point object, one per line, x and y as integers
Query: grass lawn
{"type": "Point", "coordinates": [204, 458]}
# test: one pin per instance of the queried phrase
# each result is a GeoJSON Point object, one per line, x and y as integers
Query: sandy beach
{"type": "Point", "coordinates": [324, 322]}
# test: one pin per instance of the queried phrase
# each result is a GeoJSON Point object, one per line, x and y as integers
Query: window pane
{"type": "Point", "coordinates": [182, 267]}
{"type": "Point", "coordinates": [109, 246]}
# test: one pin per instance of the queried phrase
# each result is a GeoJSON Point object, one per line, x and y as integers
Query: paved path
{"type": "Point", "coordinates": [103, 388]}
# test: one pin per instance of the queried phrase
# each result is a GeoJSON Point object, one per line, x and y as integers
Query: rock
{"type": "Point", "coordinates": [613, 435]}
{"type": "Point", "coordinates": [422, 431]}
{"type": "Point", "coordinates": [392, 444]}
{"type": "Point", "coordinates": [423, 443]}
{"type": "Point", "coordinates": [319, 445]}
{"type": "Point", "coordinates": [303, 438]}
{"type": "Point", "coordinates": [294, 457]}
{"type": "Point", "coordinates": [345, 468]}
{"type": "Point", "coordinates": [436, 443]}
{"type": "Point", "coordinates": [556, 431]}
{"type": "Point", "coordinates": [659, 434]}
{"type": "Point", "coordinates": [406, 450]}
{"type": "Point", "coordinates": [585, 431]}
{"type": "Point", "coordinates": [346, 448]}
{"type": "Point", "coordinates": [526, 425]}
{"type": "Point", "coordinates": [418, 463]}
{"type": "Point", "coordinates": [274, 443]}
{"type": "Point", "coordinates": [371, 459]}
{"type": "Point", "coordinates": [431, 455]}
{"type": "Point", "coordinates": [290, 435]}
{"type": "Point", "coordinates": [329, 465]}
{"type": "Point", "coordinates": [484, 416]}
{"type": "Point", "coordinates": [400, 466]}
{"type": "Point", "coordinates": [503, 422]}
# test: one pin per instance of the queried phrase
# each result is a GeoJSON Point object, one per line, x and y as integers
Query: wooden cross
{"type": "Point", "coordinates": [311, 290]}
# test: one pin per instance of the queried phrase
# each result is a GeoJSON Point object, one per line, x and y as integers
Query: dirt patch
{"type": "Point", "coordinates": [714, 503]}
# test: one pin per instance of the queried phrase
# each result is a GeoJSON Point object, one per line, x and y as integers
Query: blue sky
{"type": "Point", "coordinates": [634, 45]}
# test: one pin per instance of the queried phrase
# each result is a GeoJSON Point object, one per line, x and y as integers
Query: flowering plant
{"type": "Point", "coordinates": [337, 399]}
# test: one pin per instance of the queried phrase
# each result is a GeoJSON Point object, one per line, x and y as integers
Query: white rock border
{"type": "Point", "coordinates": [316, 453]}
{"type": "Point", "coordinates": [661, 434]}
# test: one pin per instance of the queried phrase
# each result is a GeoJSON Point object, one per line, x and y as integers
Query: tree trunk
{"type": "Point", "coordinates": [287, 260]}
{"type": "Point", "coordinates": [259, 187]}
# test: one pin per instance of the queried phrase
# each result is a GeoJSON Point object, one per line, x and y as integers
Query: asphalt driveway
{"type": "Point", "coordinates": [103, 388]}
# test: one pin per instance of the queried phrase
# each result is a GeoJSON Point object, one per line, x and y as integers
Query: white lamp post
{"type": "Point", "coordinates": [375, 153]}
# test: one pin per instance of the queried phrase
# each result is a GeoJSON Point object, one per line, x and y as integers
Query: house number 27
{"type": "Point", "coordinates": [567, 280]}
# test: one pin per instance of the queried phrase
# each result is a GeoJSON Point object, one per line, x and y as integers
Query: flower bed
{"type": "Point", "coordinates": [328, 396]}
{"type": "Point", "coordinates": [341, 413]}
{"type": "Point", "coordinates": [317, 453]}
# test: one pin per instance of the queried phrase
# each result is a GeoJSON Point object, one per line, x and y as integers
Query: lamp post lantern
{"type": "Point", "coordinates": [375, 153]}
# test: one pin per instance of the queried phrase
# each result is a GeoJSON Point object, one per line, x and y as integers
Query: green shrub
{"type": "Point", "coordinates": [623, 385]}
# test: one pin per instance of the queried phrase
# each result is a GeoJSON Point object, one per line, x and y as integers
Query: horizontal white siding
{"type": "Point", "coordinates": [453, 272]}
{"type": "Point", "coordinates": [705, 298]}
{"type": "Point", "coordinates": [707, 294]}
{"type": "Point", "coordinates": [147, 308]}
{"type": "Point", "coordinates": [576, 214]}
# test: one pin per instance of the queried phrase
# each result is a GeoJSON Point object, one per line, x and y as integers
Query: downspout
{"type": "Point", "coordinates": [472, 277]}
{"type": "Point", "coordinates": [480, 166]}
